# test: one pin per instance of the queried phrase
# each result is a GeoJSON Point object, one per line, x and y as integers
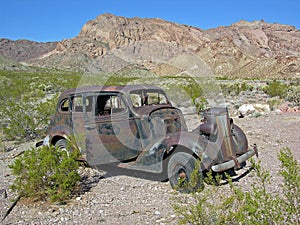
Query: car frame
{"type": "Point", "coordinates": [136, 128]}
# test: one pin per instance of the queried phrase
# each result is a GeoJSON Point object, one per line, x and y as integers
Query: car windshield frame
{"type": "Point", "coordinates": [145, 97]}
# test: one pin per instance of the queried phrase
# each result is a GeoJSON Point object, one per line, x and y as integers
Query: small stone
{"type": "Point", "coordinates": [157, 213]}
{"type": "Point", "coordinates": [95, 201]}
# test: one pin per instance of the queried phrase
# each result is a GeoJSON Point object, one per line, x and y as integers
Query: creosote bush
{"type": "Point", "coordinates": [45, 173]}
{"type": "Point", "coordinates": [27, 120]}
{"type": "Point", "coordinates": [257, 206]}
{"type": "Point", "coordinates": [275, 88]}
{"type": "Point", "coordinates": [235, 88]}
{"type": "Point", "coordinates": [293, 95]}
{"type": "Point", "coordinates": [27, 100]}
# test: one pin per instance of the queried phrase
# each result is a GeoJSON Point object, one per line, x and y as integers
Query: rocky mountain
{"type": "Point", "coordinates": [24, 50]}
{"type": "Point", "coordinates": [112, 44]}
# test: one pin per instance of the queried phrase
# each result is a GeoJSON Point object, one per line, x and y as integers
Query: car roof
{"type": "Point", "coordinates": [122, 89]}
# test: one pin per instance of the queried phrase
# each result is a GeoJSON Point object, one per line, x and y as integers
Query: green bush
{"type": "Point", "coordinates": [235, 88]}
{"type": "Point", "coordinates": [193, 90]}
{"type": "Point", "coordinates": [27, 120]}
{"type": "Point", "coordinates": [274, 103]}
{"type": "Point", "coordinates": [290, 171]}
{"type": "Point", "coordinates": [45, 172]}
{"type": "Point", "coordinates": [293, 94]}
{"type": "Point", "coordinates": [27, 100]}
{"type": "Point", "coordinates": [201, 104]}
{"type": "Point", "coordinates": [275, 88]}
{"type": "Point", "coordinates": [2, 146]}
{"type": "Point", "coordinates": [289, 92]}
{"type": "Point", "coordinates": [257, 206]}
{"type": "Point", "coordinates": [200, 92]}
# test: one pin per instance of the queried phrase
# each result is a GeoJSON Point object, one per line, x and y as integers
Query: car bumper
{"type": "Point", "coordinates": [235, 162]}
{"type": "Point", "coordinates": [44, 142]}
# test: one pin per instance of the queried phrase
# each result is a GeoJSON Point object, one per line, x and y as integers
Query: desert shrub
{"type": "Point", "coordinates": [27, 120]}
{"type": "Point", "coordinates": [45, 172]}
{"type": "Point", "coordinates": [235, 88]}
{"type": "Point", "coordinates": [290, 171]}
{"type": "Point", "coordinates": [193, 90]}
{"type": "Point", "coordinates": [199, 92]}
{"type": "Point", "coordinates": [27, 100]}
{"type": "Point", "coordinates": [2, 146]}
{"type": "Point", "coordinates": [201, 104]}
{"type": "Point", "coordinates": [257, 206]}
{"type": "Point", "coordinates": [274, 102]}
{"type": "Point", "coordinates": [289, 92]}
{"type": "Point", "coordinates": [275, 88]}
{"type": "Point", "coordinates": [293, 94]}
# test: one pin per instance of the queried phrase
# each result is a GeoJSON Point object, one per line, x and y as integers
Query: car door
{"type": "Point", "coordinates": [77, 120]}
{"type": "Point", "coordinates": [112, 133]}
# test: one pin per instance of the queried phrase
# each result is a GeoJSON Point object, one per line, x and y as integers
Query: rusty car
{"type": "Point", "coordinates": [137, 128]}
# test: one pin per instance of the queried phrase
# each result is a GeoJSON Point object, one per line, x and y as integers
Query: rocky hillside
{"type": "Point", "coordinates": [113, 44]}
{"type": "Point", "coordinates": [23, 50]}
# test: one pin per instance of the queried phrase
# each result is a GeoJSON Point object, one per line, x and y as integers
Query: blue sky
{"type": "Point", "coordinates": [54, 20]}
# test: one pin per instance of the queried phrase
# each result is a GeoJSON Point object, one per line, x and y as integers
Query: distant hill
{"type": "Point", "coordinates": [112, 44]}
{"type": "Point", "coordinates": [24, 50]}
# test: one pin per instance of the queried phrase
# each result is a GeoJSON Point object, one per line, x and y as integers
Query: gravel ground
{"type": "Point", "coordinates": [129, 200]}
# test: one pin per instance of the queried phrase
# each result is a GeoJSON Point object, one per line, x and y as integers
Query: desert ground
{"type": "Point", "coordinates": [130, 200]}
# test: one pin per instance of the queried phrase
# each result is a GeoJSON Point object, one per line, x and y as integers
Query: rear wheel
{"type": "Point", "coordinates": [182, 174]}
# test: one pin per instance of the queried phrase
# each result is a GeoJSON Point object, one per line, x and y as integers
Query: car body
{"type": "Point", "coordinates": [137, 128]}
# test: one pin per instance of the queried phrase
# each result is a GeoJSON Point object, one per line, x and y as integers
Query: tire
{"type": "Point", "coordinates": [180, 168]}
{"type": "Point", "coordinates": [63, 145]}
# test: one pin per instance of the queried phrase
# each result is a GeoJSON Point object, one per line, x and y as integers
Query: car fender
{"type": "Point", "coordinates": [151, 159]}
{"type": "Point", "coordinates": [57, 132]}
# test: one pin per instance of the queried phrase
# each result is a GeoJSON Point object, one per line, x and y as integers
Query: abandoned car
{"type": "Point", "coordinates": [136, 128]}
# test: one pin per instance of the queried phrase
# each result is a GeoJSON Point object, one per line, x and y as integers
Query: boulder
{"type": "Point", "coordinates": [246, 109]}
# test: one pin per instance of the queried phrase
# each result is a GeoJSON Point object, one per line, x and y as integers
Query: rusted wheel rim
{"type": "Point", "coordinates": [181, 174]}
{"type": "Point", "coordinates": [182, 177]}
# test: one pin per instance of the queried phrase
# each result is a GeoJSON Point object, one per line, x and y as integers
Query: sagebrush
{"type": "Point", "coordinates": [259, 205]}
{"type": "Point", "coordinates": [46, 173]}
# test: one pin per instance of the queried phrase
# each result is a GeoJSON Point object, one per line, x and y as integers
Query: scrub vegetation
{"type": "Point", "coordinates": [46, 173]}
{"type": "Point", "coordinates": [28, 99]}
{"type": "Point", "coordinates": [259, 205]}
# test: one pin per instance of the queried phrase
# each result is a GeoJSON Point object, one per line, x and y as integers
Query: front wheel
{"type": "Point", "coordinates": [63, 145]}
{"type": "Point", "coordinates": [184, 174]}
